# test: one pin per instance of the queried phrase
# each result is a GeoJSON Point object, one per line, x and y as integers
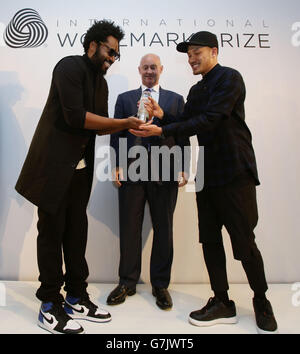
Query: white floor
{"type": "Point", "coordinates": [139, 314]}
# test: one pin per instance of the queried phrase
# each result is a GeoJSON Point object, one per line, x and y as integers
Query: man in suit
{"type": "Point", "coordinates": [214, 111]}
{"type": "Point", "coordinates": [57, 176]}
{"type": "Point", "coordinates": [161, 195]}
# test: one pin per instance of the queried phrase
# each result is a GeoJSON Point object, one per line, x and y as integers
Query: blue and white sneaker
{"type": "Point", "coordinates": [53, 318]}
{"type": "Point", "coordinates": [84, 309]}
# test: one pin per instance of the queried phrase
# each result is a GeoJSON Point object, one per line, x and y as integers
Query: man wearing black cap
{"type": "Point", "coordinates": [214, 111]}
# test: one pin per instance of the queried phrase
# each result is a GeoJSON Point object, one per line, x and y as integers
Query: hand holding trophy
{"type": "Point", "coordinates": [149, 129]}
{"type": "Point", "coordinates": [143, 113]}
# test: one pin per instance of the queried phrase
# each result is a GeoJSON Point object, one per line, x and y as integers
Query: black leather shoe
{"type": "Point", "coordinates": [119, 294]}
{"type": "Point", "coordinates": [163, 298]}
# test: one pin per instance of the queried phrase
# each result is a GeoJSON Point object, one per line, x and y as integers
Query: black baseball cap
{"type": "Point", "coordinates": [202, 38]}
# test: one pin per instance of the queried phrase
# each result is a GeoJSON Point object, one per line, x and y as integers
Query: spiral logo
{"type": "Point", "coordinates": [26, 30]}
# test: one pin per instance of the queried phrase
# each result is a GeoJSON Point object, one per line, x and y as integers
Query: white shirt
{"type": "Point", "coordinates": [154, 91]}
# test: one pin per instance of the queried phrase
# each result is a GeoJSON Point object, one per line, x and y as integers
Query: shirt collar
{"type": "Point", "coordinates": [154, 88]}
{"type": "Point", "coordinates": [211, 72]}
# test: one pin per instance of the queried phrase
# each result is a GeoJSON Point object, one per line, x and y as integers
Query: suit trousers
{"type": "Point", "coordinates": [162, 201]}
{"type": "Point", "coordinates": [63, 236]}
{"type": "Point", "coordinates": [233, 206]}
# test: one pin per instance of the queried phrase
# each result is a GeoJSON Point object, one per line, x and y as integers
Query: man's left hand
{"type": "Point", "coordinates": [182, 179]}
{"type": "Point", "coordinates": [146, 130]}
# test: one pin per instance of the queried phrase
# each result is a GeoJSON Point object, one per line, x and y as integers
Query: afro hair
{"type": "Point", "coordinates": [99, 32]}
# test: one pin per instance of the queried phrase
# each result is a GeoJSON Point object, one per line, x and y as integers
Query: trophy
{"type": "Point", "coordinates": [142, 113]}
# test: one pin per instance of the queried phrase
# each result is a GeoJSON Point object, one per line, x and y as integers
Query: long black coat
{"type": "Point", "coordinates": [60, 141]}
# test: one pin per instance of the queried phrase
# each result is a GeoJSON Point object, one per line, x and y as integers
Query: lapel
{"type": "Point", "coordinates": [136, 95]}
{"type": "Point", "coordinates": [130, 102]}
{"type": "Point", "coordinates": [163, 98]}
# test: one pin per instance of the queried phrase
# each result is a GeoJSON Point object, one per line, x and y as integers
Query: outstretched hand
{"type": "Point", "coordinates": [133, 123]}
{"type": "Point", "coordinates": [146, 130]}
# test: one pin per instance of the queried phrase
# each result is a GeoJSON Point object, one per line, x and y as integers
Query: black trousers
{"type": "Point", "coordinates": [233, 206]}
{"type": "Point", "coordinates": [162, 201]}
{"type": "Point", "coordinates": [63, 236]}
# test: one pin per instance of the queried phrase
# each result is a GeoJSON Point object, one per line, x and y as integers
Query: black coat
{"type": "Point", "coordinates": [60, 141]}
{"type": "Point", "coordinates": [215, 112]}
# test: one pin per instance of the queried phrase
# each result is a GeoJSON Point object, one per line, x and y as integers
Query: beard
{"type": "Point", "coordinates": [99, 61]}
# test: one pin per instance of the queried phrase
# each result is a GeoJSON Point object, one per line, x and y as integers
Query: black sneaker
{"type": "Point", "coordinates": [214, 312]}
{"type": "Point", "coordinates": [265, 320]}
{"type": "Point", "coordinates": [84, 309]}
{"type": "Point", "coordinates": [53, 318]}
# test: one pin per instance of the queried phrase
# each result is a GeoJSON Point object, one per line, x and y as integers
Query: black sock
{"type": "Point", "coordinates": [223, 296]}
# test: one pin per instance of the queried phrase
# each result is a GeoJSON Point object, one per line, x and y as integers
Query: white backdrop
{"type": "Point", "coordinates": [260, 38]}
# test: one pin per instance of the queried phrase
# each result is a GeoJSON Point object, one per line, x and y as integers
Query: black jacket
{"type": "Point", "coordinates": [60, 141]}
{"type": "Point", "coordinates": [214, 111]}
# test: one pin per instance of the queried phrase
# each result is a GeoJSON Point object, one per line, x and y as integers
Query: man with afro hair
{"type": "Point", "coordinates": [57, 176]}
